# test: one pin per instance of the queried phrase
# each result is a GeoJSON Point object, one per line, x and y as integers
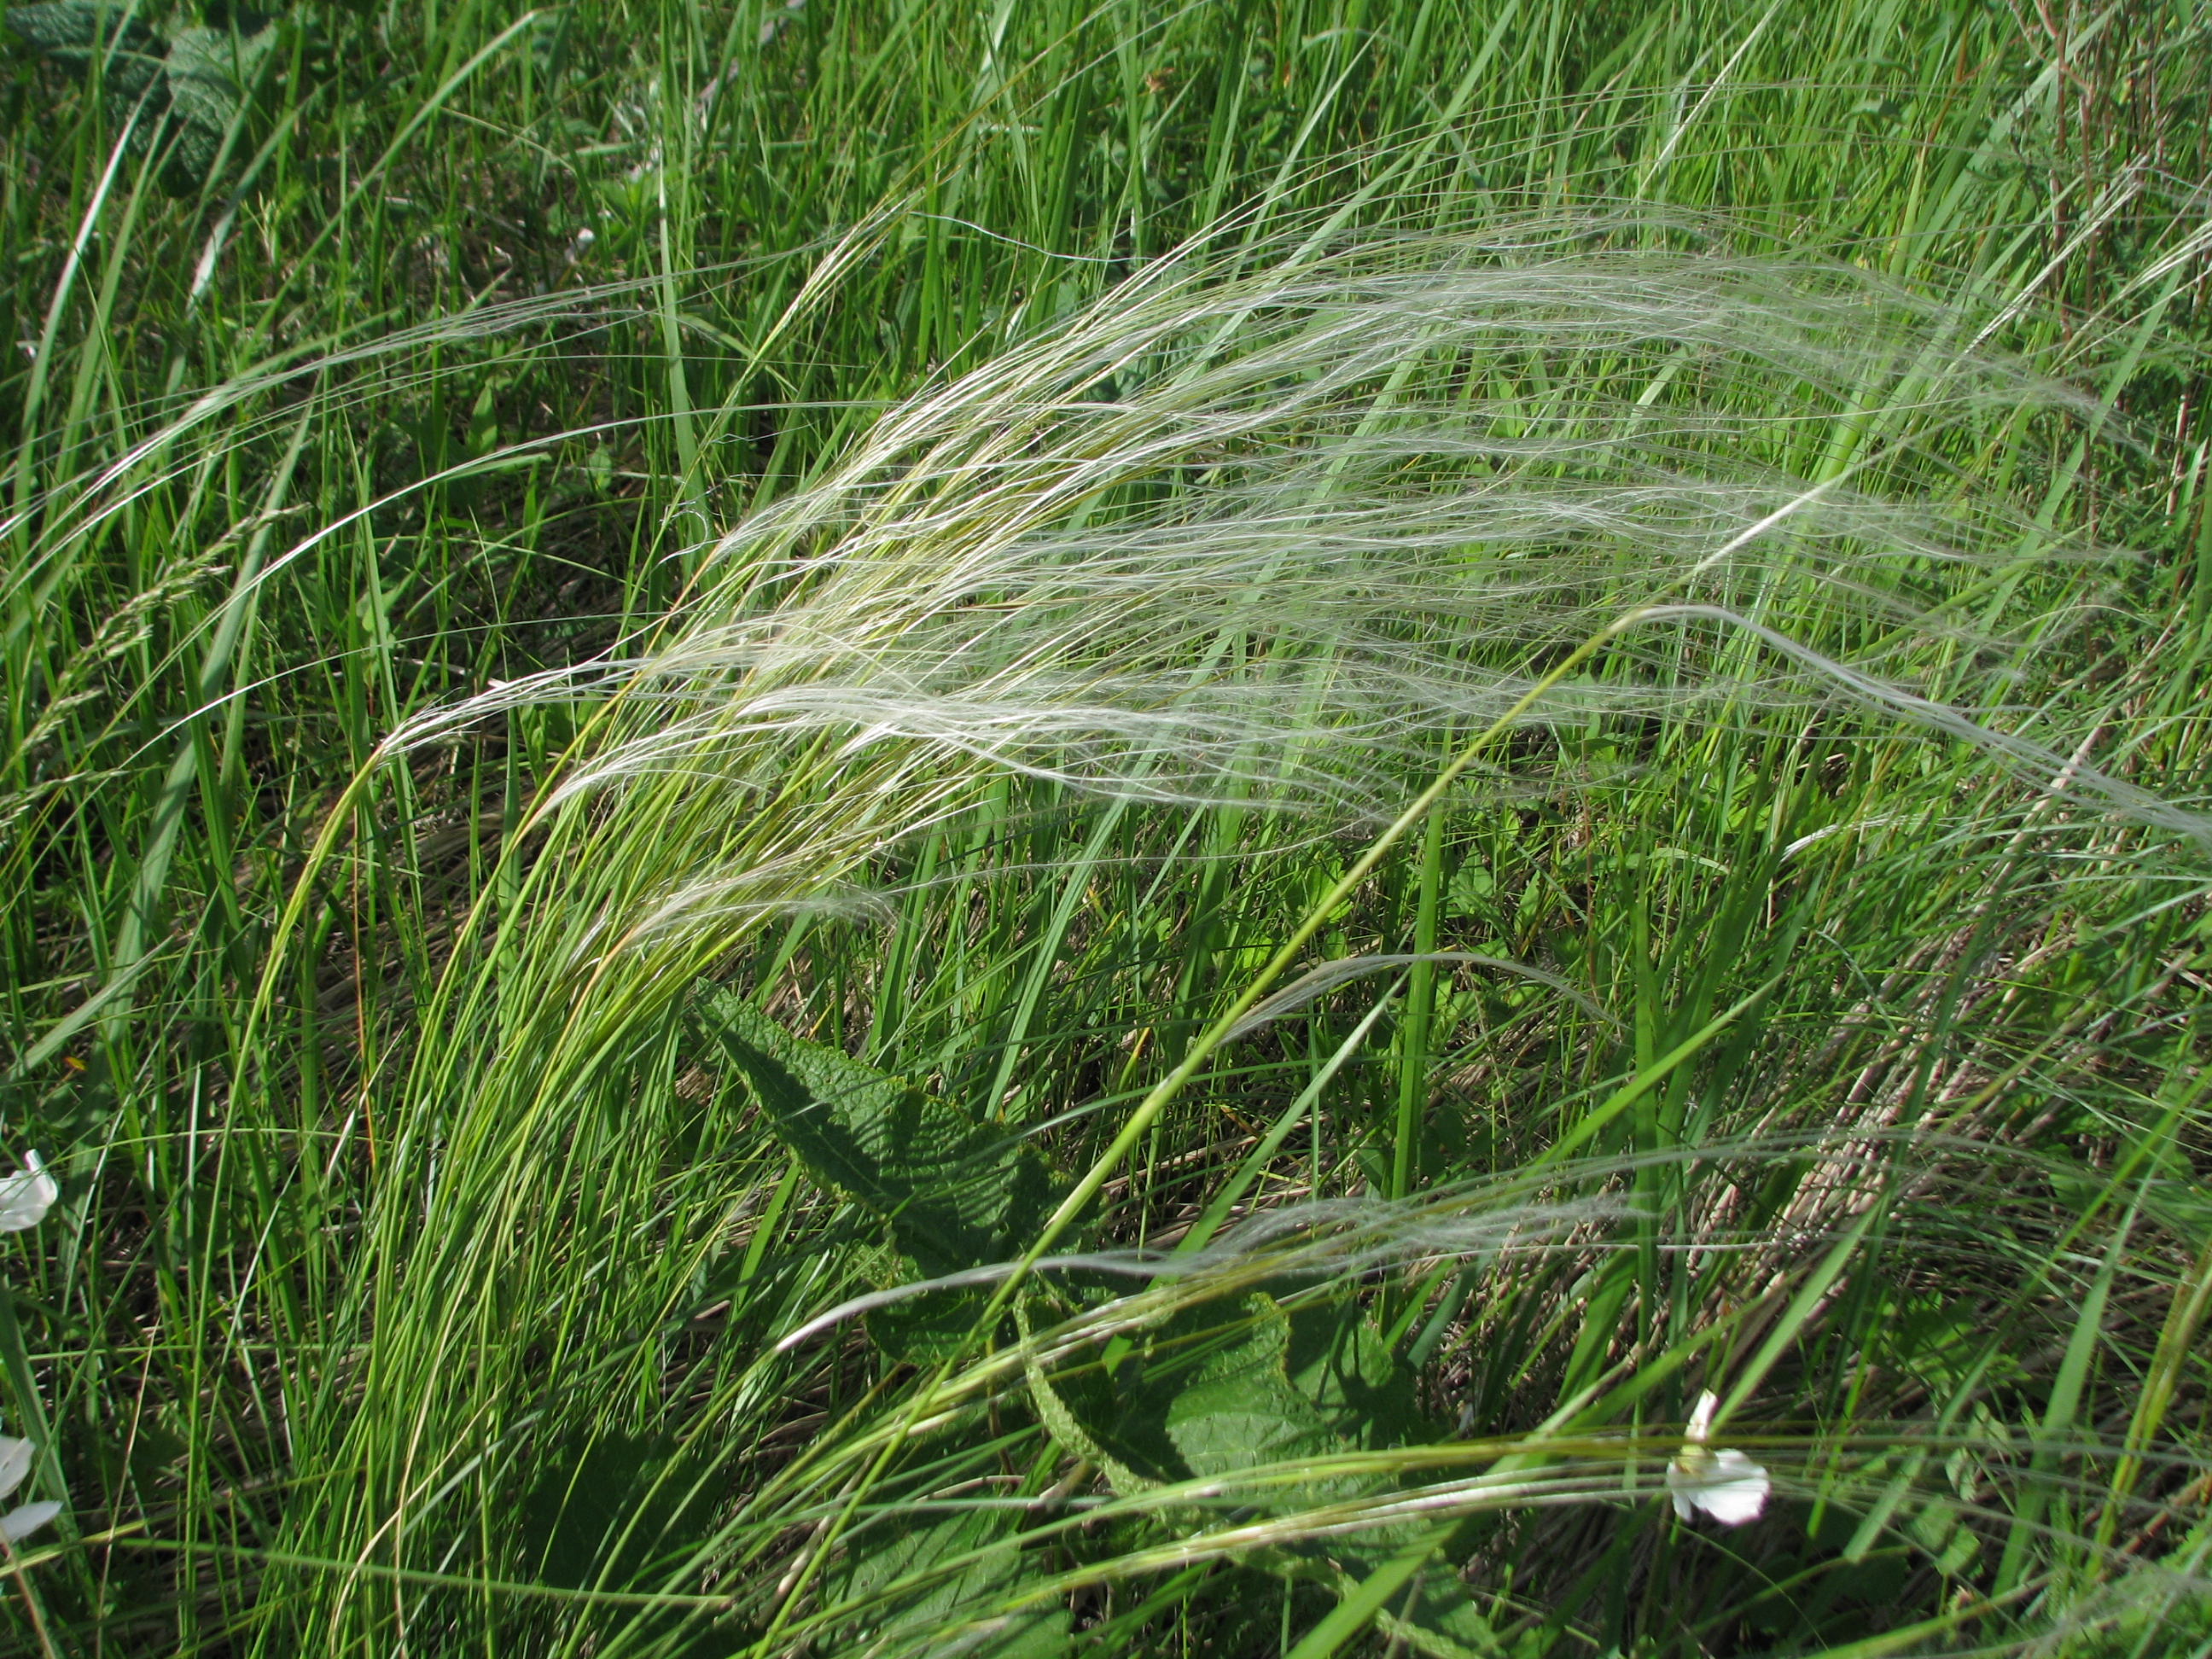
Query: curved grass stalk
{"type": "Point", "coordinates": [1233, 534]}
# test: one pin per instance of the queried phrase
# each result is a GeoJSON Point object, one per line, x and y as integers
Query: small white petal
{"type": "Point", "coordinates": [22, 1522]}
{"type": "Point", "coordinates": [1701, 1417]}
{"type": "Point", "coordinates": [25, 1198]}
{"type": "Point", "coordinates": [1690, 1470]}
{"type": "Point", "coordinates": [14, 1463]}
{"type": "Point", "coordinates": [1726, 1485]}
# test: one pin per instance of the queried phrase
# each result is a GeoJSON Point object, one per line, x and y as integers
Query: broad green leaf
{"type": "Point", "coordinates": [70, 31]}
{"type": "Point", "coordinates": [63, 28]}
{"type": "Point", "coordinates": [1225, 1386]}
{"type": "Point", "coordinates": [206, 71]}
{"type": "Point", "coordinates": [958, 1192]}
{"type": "Point", "coordinates": [1439, 1619]}
{"type": "Point", "coordinates": [611, 1510]}
{"type": "Point", "coordinates": [964, 1564]}
{"type": "Point", "coordinates": [193, 82]}
{"type": "Point", "coordinates": [207, 74]}
{"type": "Point", "coordinates": [1241, 1410]}
{"type": "Point", "coordinates": [1339, 1362]}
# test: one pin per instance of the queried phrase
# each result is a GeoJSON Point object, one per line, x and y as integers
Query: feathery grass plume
{"type": "Point", "coordinates": [1258, 530]}
{"type": "Point", "coordinates": [1263, 532]}
{"type": "Point", "coordinates": [486, 311]}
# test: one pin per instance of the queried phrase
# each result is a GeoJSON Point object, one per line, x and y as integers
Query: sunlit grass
{"type": "Point", "coordinates": [972, 532]}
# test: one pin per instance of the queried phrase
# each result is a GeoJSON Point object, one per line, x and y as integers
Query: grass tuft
{"type": "Point", "coordinates": [877, 830]}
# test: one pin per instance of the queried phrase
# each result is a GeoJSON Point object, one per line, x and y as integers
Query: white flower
{"type": "Point", "coordinates": [27, 1518]}
{"type": "Point", "coordinates": [25, 1198]}
{"type": "Point", "coordinates": [16, 1463]}
{"type": "Point", "coordinates": [1725, 1485]}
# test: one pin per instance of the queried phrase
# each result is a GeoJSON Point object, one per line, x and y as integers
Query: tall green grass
{"type": "Point", "coordinates": [1497, 700]}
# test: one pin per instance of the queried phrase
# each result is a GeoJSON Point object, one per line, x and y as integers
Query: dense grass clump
{"type": "Point", "coordinates": [1262, 829]}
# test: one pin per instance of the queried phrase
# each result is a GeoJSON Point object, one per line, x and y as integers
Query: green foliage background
{"type": "Point", "coordinates": [422, 1261]}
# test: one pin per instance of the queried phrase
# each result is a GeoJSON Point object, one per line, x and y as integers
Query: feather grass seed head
{"type": "Point", "coordinates": [1263, 531]}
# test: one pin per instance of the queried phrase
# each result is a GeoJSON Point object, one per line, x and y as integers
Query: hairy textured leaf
{"type": "Point", "coordinates": [193, 82]}
{"type": "Point", "coordinates": [71, 31]}
{"type": "Point", "coordinates": [1240, 1409]}
{"type": "Point", "coordinates": [1440, 1621]}
{"type": "Point", "coordinates": [1338, 1360]}
{"type": "Point", "coordinates": [207, 70]}
{"type": "Point", "coordinates": [949, 1586]}
{"type": "Point", "coordinates": [957, 1192]}
{"type": "Point", "coordinates": [611, 1508]}
{"type": "Point", "coordinates": [61, 28]}
{"type": "Point", "coordinates": [1219, 1387]}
